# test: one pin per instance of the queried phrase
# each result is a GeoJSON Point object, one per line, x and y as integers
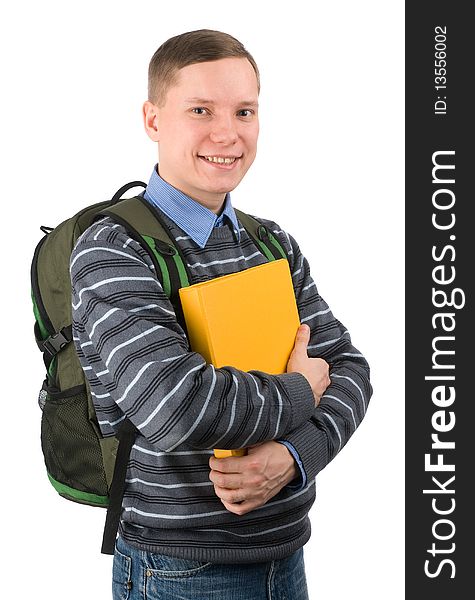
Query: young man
{"type": "Point", "coordinates": [194, 526]}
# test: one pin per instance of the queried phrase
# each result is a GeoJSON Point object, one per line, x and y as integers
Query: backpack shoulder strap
{"type": "Point", "coordinates": [144, 224]}
{"type": "Point", "coordinates": [136, 212]}
{"type": "Point", "coordinates": [263, 238]}
{"type": "Point", "coordinates": [141, 219]}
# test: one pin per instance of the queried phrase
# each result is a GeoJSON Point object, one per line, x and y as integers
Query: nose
{"type": "Point", "coordinates": [224, 131]}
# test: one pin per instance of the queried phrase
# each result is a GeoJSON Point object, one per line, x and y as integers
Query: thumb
{"type": "Point", "coordinates": [301, 339]}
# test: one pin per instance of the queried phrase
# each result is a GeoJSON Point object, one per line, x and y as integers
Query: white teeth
{"type": "Point", "coordinates": [220, 159]}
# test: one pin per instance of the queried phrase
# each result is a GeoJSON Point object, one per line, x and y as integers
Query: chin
{"type": "Point", "coordinates": [222, 190]}
{"type": "Point", "coordinates": [222, 187]}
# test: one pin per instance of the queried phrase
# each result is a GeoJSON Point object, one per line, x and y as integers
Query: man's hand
{"type": "Point", "coordinates": [314, 369]}
{"type": "Point", "coordinates": [246, 482]}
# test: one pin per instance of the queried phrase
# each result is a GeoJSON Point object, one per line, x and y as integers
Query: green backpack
{"type": "Point", "coordinates": [81, 464]}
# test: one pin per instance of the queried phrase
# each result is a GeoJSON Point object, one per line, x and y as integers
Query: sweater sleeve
{"type": "Point", "coordinates": [343, 406]}
{"type": "Point", "coordinates": [138, 361]}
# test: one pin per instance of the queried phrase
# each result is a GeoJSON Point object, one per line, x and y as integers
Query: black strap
{"type": "Point", "coordinates": [126, 436]}
{"type": "Point", "coordinates": [128, 186]}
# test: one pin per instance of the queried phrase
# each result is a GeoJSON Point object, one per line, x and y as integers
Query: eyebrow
{"type": "Point", "coordinates": [205, 101]}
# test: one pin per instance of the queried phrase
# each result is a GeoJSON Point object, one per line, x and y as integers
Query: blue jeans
{"type": "Point", "coordinates": [141, 575]}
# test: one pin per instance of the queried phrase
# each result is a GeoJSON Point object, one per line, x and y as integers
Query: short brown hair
{"type": "Point", "coordinates": [202, 45]}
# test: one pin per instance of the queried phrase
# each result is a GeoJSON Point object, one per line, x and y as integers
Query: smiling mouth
{"type": "Point", "coordinates": [225, 162]}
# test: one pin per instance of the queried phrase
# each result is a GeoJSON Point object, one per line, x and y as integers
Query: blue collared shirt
{"type": "Point", "coordinates": [191, 216]}
{"type": "Point", "coordinates": [198, 221]}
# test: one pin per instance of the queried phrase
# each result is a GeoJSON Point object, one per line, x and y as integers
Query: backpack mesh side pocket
{"type": "Point", "coordinates": [71, 446]}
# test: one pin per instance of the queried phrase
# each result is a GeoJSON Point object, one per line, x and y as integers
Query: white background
{"type": "Point", "coordinates": [329, 170]}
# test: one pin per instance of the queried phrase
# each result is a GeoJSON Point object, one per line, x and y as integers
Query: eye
{"type": "Point", "coordinates": [246, 110]}
{"type": "Point", "coordinates": [199, 108]}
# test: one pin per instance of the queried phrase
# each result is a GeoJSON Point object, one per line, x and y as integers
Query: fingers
{"type": "Point", "coordinates": [240, 509]}
{"type": "Point", "coordinates": [230, 496]}
{"type": "Point", "coordinates": [224, 481]}
{"type": "Point", "coordinates": [231, 464]}
{"type": "Point", "coordinates": [301, 339]}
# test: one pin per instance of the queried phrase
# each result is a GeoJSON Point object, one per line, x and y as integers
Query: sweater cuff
{"type": "Point", "coordinates": [312, 446]}
{"type": "Point", "coordinates": [300, 394]}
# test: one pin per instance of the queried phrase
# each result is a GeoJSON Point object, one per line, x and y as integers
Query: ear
{"type": "Point", "coordinates": [150, 120]}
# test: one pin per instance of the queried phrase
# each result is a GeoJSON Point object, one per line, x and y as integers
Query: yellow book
{"type": "Point", "coordinates": [247, 320]}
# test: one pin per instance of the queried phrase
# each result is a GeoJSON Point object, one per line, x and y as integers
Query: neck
{"type": "Point", "coordinates": [214, 202]}
{"type": "Point", "coordinates": [214, 206]}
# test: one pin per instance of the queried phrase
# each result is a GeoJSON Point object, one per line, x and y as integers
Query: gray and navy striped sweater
{"type": "Point", "coordinates": [138, 363]}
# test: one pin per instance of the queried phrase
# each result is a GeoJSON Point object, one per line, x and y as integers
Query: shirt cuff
{"type": "Point", "coordinates": [296, 486]}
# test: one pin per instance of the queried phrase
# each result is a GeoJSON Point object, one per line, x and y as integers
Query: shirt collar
{"type": "Point", "coordinates": [191, 216]}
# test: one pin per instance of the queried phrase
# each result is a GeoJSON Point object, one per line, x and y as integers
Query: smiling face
{"type": "Point", "coordinates": [207, 129]}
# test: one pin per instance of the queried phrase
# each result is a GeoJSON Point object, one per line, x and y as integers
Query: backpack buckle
{"type": "Point", "coordinates": [262, 233]}
{"type": "Point", "coordinates": [164, 248]}
{"type": "Point", "coordinates": [57, 341]}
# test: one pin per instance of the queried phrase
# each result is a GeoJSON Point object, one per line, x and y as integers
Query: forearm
{"type": "Point", "coordinates": [184, 400]}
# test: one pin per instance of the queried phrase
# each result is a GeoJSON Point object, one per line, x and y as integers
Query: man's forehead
{"type": "Point", "coordinates": [206, 81]}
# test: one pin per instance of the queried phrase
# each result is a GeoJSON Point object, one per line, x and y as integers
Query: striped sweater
{"type": "Point", "coordinates": [138, 362]}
